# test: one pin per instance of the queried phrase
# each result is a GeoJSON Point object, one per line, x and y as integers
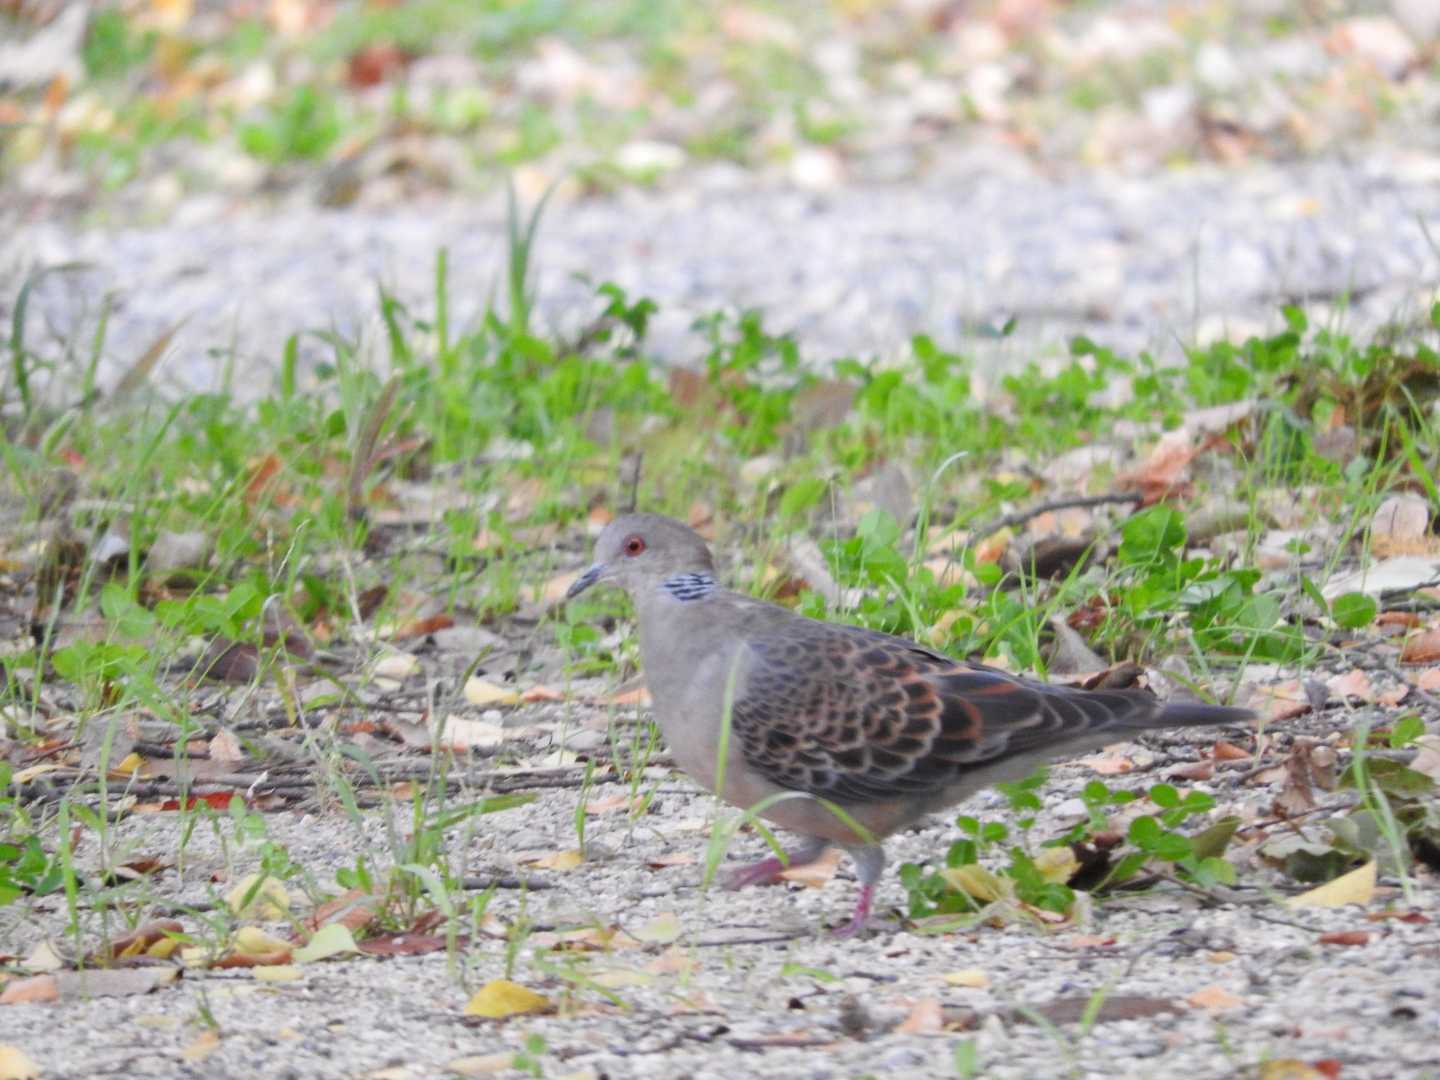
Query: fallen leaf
{"type": "Point", "coordinates": [480, 1065]}
{"type": "Point", "coordinates": [541, 693]}
{"type": "Point", "coordinates": [1108, 764]}
{"type": "Point", "coordinates": [1400, 526]}
{"type": "Point", "coordinates": [673, 961]}
{"type": "Point", "coordinates": [926, 1018]}
{"type": "Point", "coordinates": [15, 1064]}
{"type": "Point", "coordinates": [1225, 751]}
{"type": "Point", "coordinates": [158, 938]}
{"type": "Point", "coordinates": [559, 860]}
{"type": "Point", "coordinates": [1346, 937]}
{"type": "Point", "coordinates": [1423, 648]}
{"type": "Point", "coordinates": [270, 901]}
{"type": "Point", "coordinates": [814, 874]}
{"type": "Point", "coordinates": [673, 858]}
{"type": "Point", "coordinates": [225, 746]}
{"type": "Point", "coordinates": [661, 930]}
{"type": "Point", "coordinates": [98, 982]}
{"type": "Point", "coordinates": [618, 978]}
{"type": "Point", "coordinates": [397, 665]}
{"type": "Point", "coordinates": [1356, 887]}
{"type": "Point", "coordinates": [277, 973]}
{"type": "Point", "coordinates": [32, 990]}
{"type": "Point", "coordinates": [1289, 1069]}
{"type": "Point", "coordinates": [1354, 684]}
{"type": "Point", "coordinates": [332, 939]}
{"type": "Point", "coordinates": [500, 998]}
{"type": "Point", "coordinates": [480, 692]}
{"type": "Point", "coordinates": [202, 1046]}
{"type": "Point", "coordinates": [1214, 999]}
{"type": "Point", "coordinates": [1429, 679]}
{"type": "Point", "coordinates": [1281, 701]}
{"type": "Point", "coordinates": [970, 978]}
{"type": "Point", "coordinates": [422, 627]}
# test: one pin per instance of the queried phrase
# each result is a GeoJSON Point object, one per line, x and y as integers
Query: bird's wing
{"type": "Point", "coordinates": [858, 716]}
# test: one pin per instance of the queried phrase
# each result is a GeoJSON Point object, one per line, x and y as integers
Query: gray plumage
{"type": "Point", "coordinates": [883, 727]}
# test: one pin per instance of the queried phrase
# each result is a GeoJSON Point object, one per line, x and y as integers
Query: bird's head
{"type": "Point", "coordinates": [638, 551]}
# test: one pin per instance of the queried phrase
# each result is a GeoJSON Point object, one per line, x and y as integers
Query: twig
{"type": "Point", "coordinates": [1019, 517]}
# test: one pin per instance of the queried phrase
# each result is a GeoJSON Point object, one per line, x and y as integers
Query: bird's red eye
{"type": "Point", "coordinates": [634, 546]}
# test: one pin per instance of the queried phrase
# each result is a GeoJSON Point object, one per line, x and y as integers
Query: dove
{"type": "Point", "coordinates": [823, 716]}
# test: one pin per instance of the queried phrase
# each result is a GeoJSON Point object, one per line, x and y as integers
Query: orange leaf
{"type": "Point", "coordinates": [1346, 937]}
{"type": "Point", "coordinates": [1421, 648]}
{"type": "Point", "coordinates": [1214, 999]}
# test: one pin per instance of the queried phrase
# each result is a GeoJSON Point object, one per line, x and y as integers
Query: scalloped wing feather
{"type": "Point", "coordinates": [858, 716]}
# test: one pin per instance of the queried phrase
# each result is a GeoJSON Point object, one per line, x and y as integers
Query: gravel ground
{"type": "Point", "coordinates": [742, 1009]}
{"type": "Point", "coordinates": [1136, 263]}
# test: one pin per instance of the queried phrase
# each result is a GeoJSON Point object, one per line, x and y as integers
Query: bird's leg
{"type": "Point", "coordinates": [768, 870]}
{"type": "Point", "coordinates": [869, 865]}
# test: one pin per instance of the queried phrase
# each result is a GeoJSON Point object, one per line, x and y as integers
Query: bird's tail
{"type": "Point", "coordinates": [1198, 714]}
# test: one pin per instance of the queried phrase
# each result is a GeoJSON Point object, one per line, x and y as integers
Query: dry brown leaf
{"type": "Point", "coordinates": [1214, 999]}
{"type": "Point", "coordinates": [158, 938]}
{"type": "Point", "coordinates": [1226, 751]}
{"type": "Point", "coordinates": [1282, 701]}
{"type": "Point", "coordinates": [1429, 679]}
{"type": "Point", "coordinates": [1355, 685]}
{"type": "Point", "coordinates": [1110, 763]}
{"type": "Point", "coordinates": [1346, 937]}
{"type": "Point", "coordinates": [422, 627]}
{"type": "Point", "coordinates": [1422, 648]}
{"type": "Point", "coordinates": [1401, 526]}
{"type": "Point", "coordinates": [541, 693]}
{"type": "Point", "coordinates": [815, 874]}
{"type": "Point", "coordinates": [926, 1018]}
{"type": "Point", "coordinates": [225, 746]}
{"type": "Point", "coordinates": [32, 990]}
{"type": "Point", "coordinates": [673, 858]}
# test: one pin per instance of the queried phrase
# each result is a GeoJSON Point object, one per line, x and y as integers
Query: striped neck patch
{"type": "Point", "coordinates": [689, 586]}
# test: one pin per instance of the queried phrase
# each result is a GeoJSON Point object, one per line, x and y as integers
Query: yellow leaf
{"type": "Point", "coordinates": [129, 765]}
{"type": "Point", "coordinates": [1288, 1069]}
{"type": "Point", "coordinates": [1356, 887]}
{"type": "Point", "coordinates": [15, 1064]}
{"type": "Point", "coordinates": [619, 978]}
{"type": "Point", "coordinates": [332, 939]}
{"type": "Point", "coordinates": [480, 692]}
{"type": "Point", "coordinates": [269, 903]}
{"type": "Point", "coordinates": [252, 941]}
{"type": "Point", "coordinates": [1057, 865]}
{"type": "Point", "coordinates": [661, 930]}
{"type": "Point", "coordinates": [972, 978]}
{"type": "Point", "coordinates": [975, 881]}
{"type": "Point", "coordinates": [277, 973]}
{"type": "Point", "coordinates": [500, 998]}
{"type": "Point", "coordinates": [560, 860]}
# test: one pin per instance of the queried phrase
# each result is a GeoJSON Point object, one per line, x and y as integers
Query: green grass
{"type": "Point", "coordinates": [516, 435]}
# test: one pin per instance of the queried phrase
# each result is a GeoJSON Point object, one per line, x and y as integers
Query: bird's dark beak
{"type": "Point", "coordinates": [585, 580]}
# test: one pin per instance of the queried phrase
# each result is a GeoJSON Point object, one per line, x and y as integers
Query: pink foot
{"type": "Point", "coordinates": [760, 873]}
{"type": "Point", "coordinates": [861, 918]}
